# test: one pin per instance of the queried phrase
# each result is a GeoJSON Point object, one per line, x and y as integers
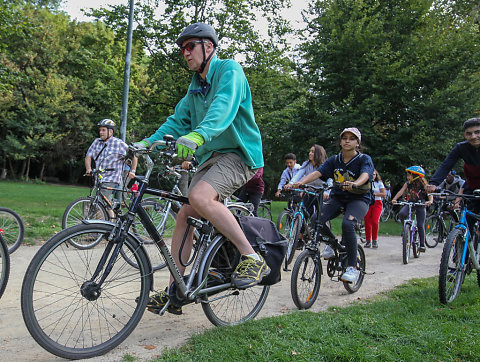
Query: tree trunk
{"type": "Point", "coordinates": [27, 171]}
{"type": "Point", "coordinates": [4, 169]}
{"type": "Point", "coordinates": [42, 170]}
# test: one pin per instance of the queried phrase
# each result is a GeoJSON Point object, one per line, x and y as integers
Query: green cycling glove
{"type": "Point", "coordinates": [141, 145]}
{"type": "Point", "coordinates": [186, 145]}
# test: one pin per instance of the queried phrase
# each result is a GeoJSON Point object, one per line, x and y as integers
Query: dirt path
{"type": "Point", "coordinates": [155, 333]}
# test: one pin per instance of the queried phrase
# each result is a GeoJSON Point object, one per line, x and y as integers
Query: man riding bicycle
{"type": "Point", "coordinates": [215, 121]}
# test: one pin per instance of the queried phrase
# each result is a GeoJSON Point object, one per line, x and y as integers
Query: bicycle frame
{"type": "Point", "coordinates": [463, 225]}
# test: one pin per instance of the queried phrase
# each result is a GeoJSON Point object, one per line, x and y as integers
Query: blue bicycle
{"type": "Point", "coordinates": [460, 253]}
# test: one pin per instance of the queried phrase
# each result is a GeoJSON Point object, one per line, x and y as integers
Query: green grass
{"type": "Point", "coordinates": [40, 206]}
{"type": "Point", "coordinates": [406, 324]}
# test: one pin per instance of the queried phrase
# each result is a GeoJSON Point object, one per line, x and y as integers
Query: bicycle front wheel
{"type": "Point", "coordinates": [67, 312]}
{"type": "Point", "coordinates": [361, 267]}
{"type": "Point", "coordinates": [83, 208]}
{"type": "Point", "coordinates": [229, 306]}
{"type": "Point", "coordinates": [406, 243]}
{"type": "Point", "coordinates": [4, 265]}
{"type": "Point", "coordinates": [451, 273]}
{"type": "Point", "coordinates": [306, 279]}
{"type": "Point", "coordinates": [433, 231]}
{"type": "Point", "coordinates": [284, 222]}
{"type": "Point", "coordinates": [13, 229]}
{"type": "Point", "coordinates": [293, 240]}
{"type": "Point", "coordinates": [264, 211]}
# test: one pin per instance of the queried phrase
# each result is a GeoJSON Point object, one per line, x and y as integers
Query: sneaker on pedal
{"type": "Point", "coordinates": [249, 272]}
{"type": "Point", "coordinates": [158, 301]}
{"type": "Point", "coordinates": [422, 248]}
{"type": "Point", "coordinates": [351, 275]}
{"type": "Point", "coordinates": [328, 252]}
{"type": "Point", "coordinates": [368, 244]}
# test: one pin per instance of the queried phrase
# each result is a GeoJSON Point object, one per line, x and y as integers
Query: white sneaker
{"type": "Point", "coordinates": [328, 252]}
{"type": "Point", "coordinates": [351, 275]}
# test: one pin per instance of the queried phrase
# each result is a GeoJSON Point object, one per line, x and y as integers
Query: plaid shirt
{"type": "Point", "coordinates": [111, 157]}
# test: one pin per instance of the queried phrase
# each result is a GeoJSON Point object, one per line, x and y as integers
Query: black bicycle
{"type": "Point", "coordinates": [307, 270]}
{"type": "Point", "coordinates": [83, 302]}
{"type": "Point", "coordinates": [11, 228]}
{"type": "Point", "coordinates": [439, 224]}
{"type": "Point", "coordinates": [4, 265]}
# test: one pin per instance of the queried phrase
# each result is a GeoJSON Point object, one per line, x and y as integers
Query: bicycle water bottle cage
{"type": "Point", "coordinates": [201, 226]}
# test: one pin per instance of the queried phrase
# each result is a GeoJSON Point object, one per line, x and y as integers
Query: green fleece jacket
{"type": "Point", "coordinates": [224, 116]}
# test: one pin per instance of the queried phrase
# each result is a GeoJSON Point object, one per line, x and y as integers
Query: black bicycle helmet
{"type": "Point", "coordinates": [108, 123]}
{"type": "Point", "coordinates": [198, 30]}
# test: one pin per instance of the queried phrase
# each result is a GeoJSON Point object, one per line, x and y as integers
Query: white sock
{"type": "Point", "coordinates": [254, 256]}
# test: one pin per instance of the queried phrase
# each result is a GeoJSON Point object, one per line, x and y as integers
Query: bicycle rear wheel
{"type": "Point", "coordinates": [264, 211]}
{"type": "Point", "coordinates": [293, 240]}
{"type": "Point", "coordinates": [239, 210]}
{"type": "Point", "coordinates": [4, 265]}
{"type": "Point", "coordinates": [83, 208]}
{"type": "Point", "coordinates": [386, 211]}
{"type": "Point", "coordinates": [65, 312]}
{"type": "Point", "coordinates": [451, 273]}
{"type": "Point", "coordinates": [361, 267]}
{"type": "Point", "coordinates": [13, 229]}
{"type": "Point", "coordinates": [306, 279]}
{"type": "Point", "coordinates": [229, 306]}
{"type": "Point", "coordinates": [433, 231]}
{"type": "Point", "coordinates": [284, 222]}
{"type": "Point", "coordinates": [406, 243]}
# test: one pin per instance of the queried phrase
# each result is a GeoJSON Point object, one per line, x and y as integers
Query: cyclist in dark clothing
{"type": "Point", "coordinates": [349, 168]}
{"type": "Point", "coordinates": [469, 152]}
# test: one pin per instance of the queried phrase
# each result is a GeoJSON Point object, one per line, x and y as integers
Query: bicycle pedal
{"type": "Point", "coordinates": [154, 310]}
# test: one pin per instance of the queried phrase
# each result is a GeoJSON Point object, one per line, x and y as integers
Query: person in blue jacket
{"type": "Point", "coordinates": [214, 120]}
{"type": "Point", "coordinates": [353, 170]}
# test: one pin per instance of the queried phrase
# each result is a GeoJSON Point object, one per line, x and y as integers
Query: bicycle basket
{"type": "Point", "coordinates": [266, 240]}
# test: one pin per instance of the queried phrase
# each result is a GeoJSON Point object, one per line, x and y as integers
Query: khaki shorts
{"type": "Point", "coordinates": [225, 172]}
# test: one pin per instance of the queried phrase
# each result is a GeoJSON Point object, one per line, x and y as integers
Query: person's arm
{"type": "Point", "coordinates": [444, 168]}
{"type": "Point", "coordinates": [307, 179]}
{"type": "Point", "coordinates": [381, 193]}
{"type": "Point", "coordinates": [362, 179]}
{"type": "Point", "coordinates": [399, 193]}
{"type": "Point", "coordinates": [133, 168]}
{"type": "Point", "coordinates": [88, 165]}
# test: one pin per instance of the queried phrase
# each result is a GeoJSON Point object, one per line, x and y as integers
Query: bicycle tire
{"type": "Point", "coordinates": [264, 211]}
{"type": "Point", "coordinates": [157, 212]}
{"type": "Point", "coordinates": [433, 231]}
{"type": "Point", "coordinates": [284, 222]}
{"type": "Point", "coordinates": [361, 266]}
{"type": "Point", "coordinates": [406, 243]}
{"type": "Point", "coordinates": [386, 211]}
{"type": "Point", "coordinates": [415, 244]}
{"type": "Point", "coordinates": [64, 322]}
{"type": "Point", "coordinates": [451, 275]}
{"type": "Point", "coordinates": [228, 306]}
{"type": "Point", "coordinates": [83, 208]}
{"type": "Point", "coordinates": [13, 228]}
{"type": "Point", "coordinates": [239, 210]}
{"type": "Point", "coordinates": [306, 279]}
{"type": "Point", "coordinates": [450, 220]}
{"type": "Point", "coordinates": [293, 240]}
{"type": "Point", "coordinates": [4, 265]}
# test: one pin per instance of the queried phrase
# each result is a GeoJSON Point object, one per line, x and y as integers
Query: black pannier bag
{"type": "Point", "coordinates": [268, 242]}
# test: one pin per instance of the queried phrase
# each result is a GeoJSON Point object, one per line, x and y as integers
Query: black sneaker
{"type": "Point", "coordinates": [249, 272]}
{"type": "Point", "coordinates": [374, 244]}
{"type": "Point", "coordinates": [368, 244]}
{"type": "Point", "coordinates": [300, 244]}
{"type": "Point", "coordinates": [158, 301]}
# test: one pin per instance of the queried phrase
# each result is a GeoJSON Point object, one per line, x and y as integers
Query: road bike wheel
{"type": "Point", "coordinates": [284, 222]}
{"type": "Point", "coordinates": [66, 317]}
{"type": "Point", "coordinates": [361, 266]}
{"type": "Point", "coordinates": [451, 273]}
{"type": "Point", "coordinates": [13, 229]}
{"type": "Point", "coordinates": [239, 210]}
{"type": "Point", "coordinates": [4, 265]}
{"type": "Point", "coordinates": [433, 231]}
{"type": "Point", "coordinates": [406, 243]}
{"type": "Point", "coordinates": [264, 211]}
{"type": "Point", "coordinates": [83, 208]}
{"type": "Point", "coordinates": [157, 211]}
{"type": "Point", "coordinates": [229, 306]}
{"type": "Point", "coordinates": [386, 211]}
{"type": "Point", "coordinates": [306, 279]}
{"type": "Point", "coordinates": [293, 240]}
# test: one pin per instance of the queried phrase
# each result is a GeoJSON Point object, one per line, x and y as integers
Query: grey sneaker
{"type": "Point", "coordinates": [351, 275]}
{"type": "Point", "coordinates": [328, 252]}
{"type": "Point", "coordinates": [374, 244]}
{"type": "Point", "coordinates": [249, 272]}
{"type": "Point", "coordinates": [368, 244]}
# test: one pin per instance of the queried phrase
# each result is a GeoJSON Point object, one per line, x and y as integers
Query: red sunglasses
{"type": "Point", "coordinates": [190, 46]}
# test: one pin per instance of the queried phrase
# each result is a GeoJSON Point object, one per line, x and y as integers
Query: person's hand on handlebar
{"type": "Point", "coordinates": [186, 145]}
{"type": "Point", "coordinates": [428, 203]}
{"type": "Point", "coordinates": [141, 145]}
{"type": "Point", "coordinates": [348, 185]}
